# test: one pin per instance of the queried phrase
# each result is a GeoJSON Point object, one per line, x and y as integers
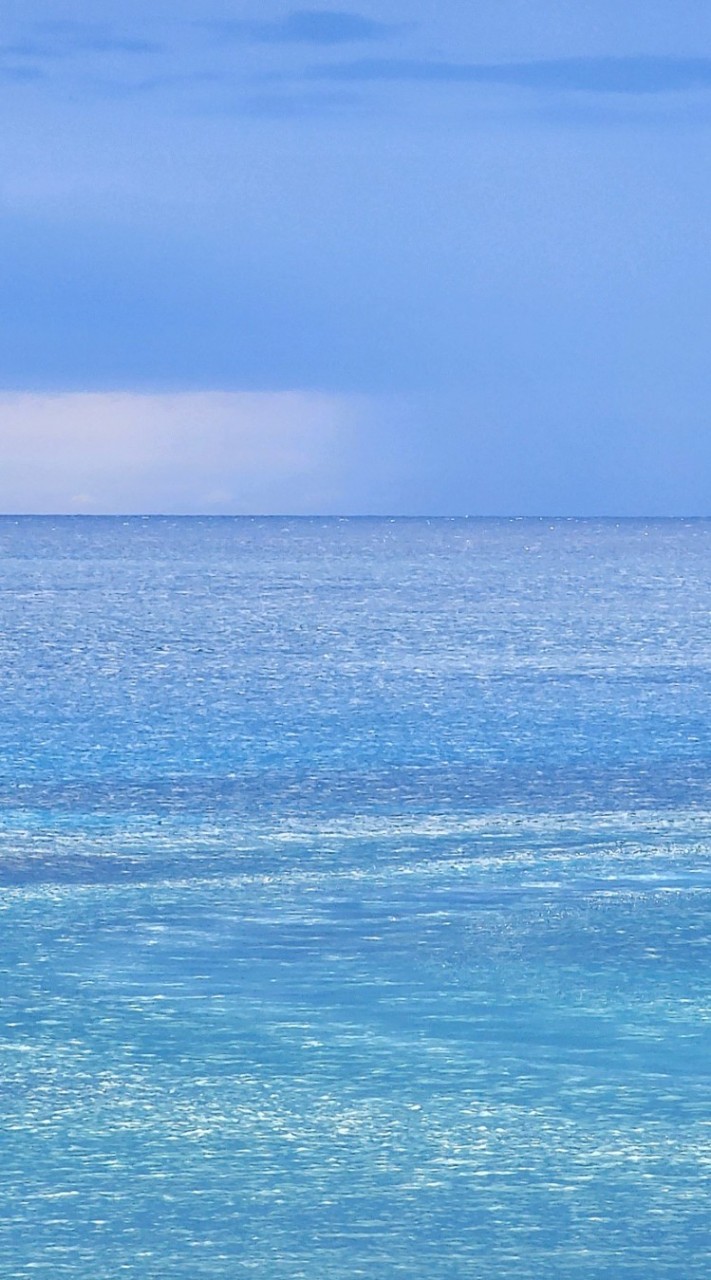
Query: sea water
{"type": "Point", "coordinates": [355, 891]}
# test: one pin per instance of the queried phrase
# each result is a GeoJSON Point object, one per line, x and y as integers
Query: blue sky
{"type": "Point", "coordinates": [475, 234]}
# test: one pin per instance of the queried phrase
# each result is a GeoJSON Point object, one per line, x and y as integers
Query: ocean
{"type": "Point", "coordinates": [355, 899]}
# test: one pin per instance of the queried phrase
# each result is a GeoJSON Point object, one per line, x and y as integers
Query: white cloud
{"type": "Point", "coordinates": [250, 452]}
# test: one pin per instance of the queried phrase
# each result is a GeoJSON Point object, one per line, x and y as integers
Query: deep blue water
{"type": "Point", "coordinates": [355, 891]}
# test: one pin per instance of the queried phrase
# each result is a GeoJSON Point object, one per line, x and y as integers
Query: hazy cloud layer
{"type": "Point", "coordinates": [307, 26]}
{"type": "Point", "coordinates": [245, 452]}
{"type": "Point", "coordinates": [19, 74]}
{"type": "Point", "coordinates": [62, 39]}
{"type": "Point", "coordinates": [588, 75]}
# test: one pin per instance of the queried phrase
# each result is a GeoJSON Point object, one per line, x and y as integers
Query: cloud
{"type": "Point", "coordinates": [60, 39]}
{"type": "Point", "coordinates": [251, 452]}
{"type": "Point", "coordinates": [20, 74]}
{"type": "Point", "coordinates": [307, 26]}
{"type": "Point", "coordinates": [632, 75]}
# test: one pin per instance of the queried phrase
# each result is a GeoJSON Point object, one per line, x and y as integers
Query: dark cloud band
{"type": "Point", "coordinates": [307, 26]}
{"type": "Point", "coordinates": [590, 75]}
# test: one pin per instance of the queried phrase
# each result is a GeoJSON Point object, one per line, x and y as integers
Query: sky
{"type": "Point", "coordinates": [445, 258]}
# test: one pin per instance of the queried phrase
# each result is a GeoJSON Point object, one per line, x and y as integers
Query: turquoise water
{"type": "Point", "coordinates": [355, 891]}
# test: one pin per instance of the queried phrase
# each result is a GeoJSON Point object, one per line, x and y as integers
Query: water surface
{"type": "Point", "coordinates": [355, 899]}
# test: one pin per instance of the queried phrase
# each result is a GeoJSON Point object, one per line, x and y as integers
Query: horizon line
{"type": "Point", "coordinates": [340, 516]}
